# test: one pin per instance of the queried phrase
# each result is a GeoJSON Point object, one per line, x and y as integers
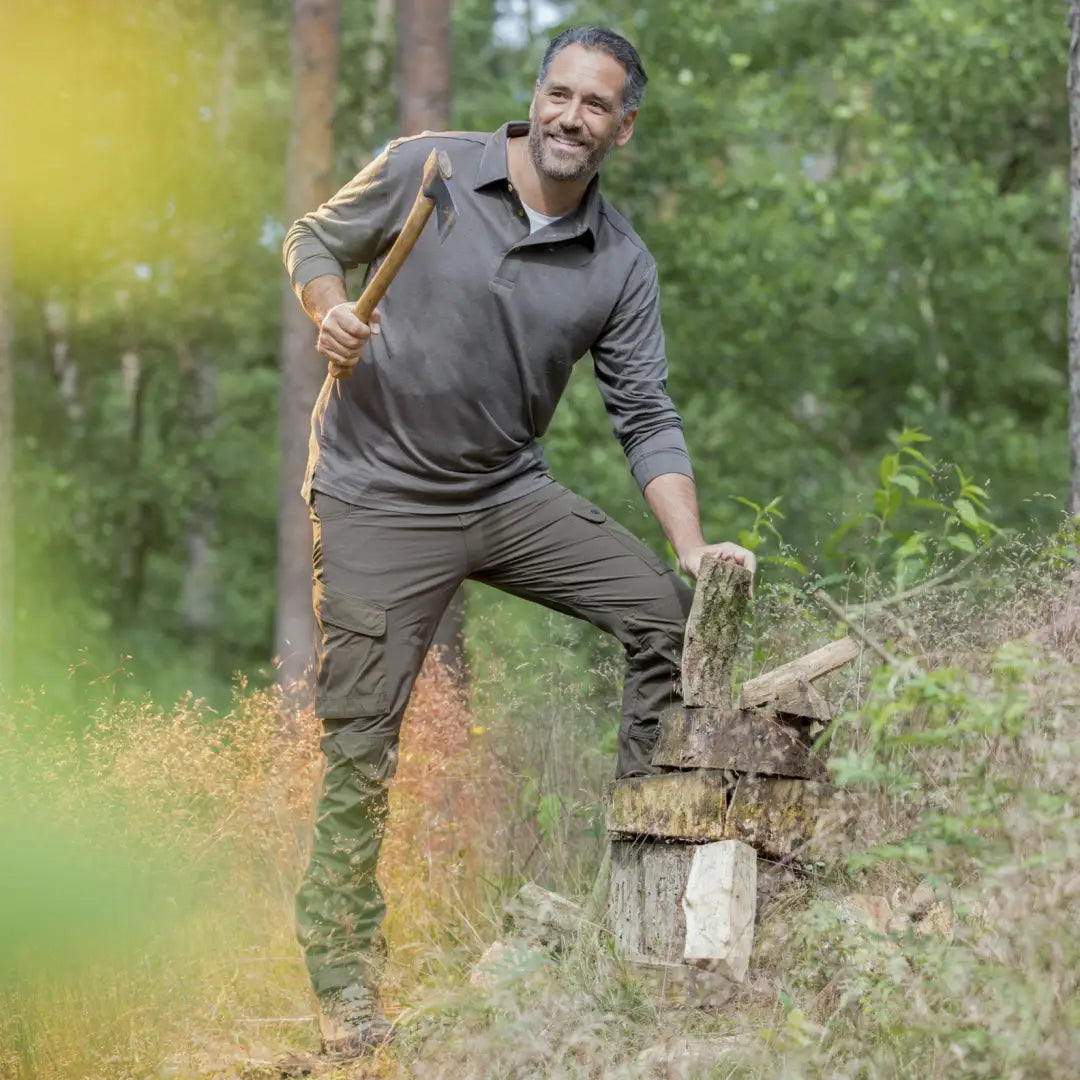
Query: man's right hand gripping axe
{"type": "Point", "coordinates": [434, 194]}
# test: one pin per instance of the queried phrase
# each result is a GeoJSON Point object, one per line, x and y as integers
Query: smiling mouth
{"type": "Point", "coordinates": [566, 144]}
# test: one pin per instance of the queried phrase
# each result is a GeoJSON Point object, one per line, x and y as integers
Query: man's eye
{"type": "Point", "coordinates": [598, 106]}
{"type": "Point", "coordinates": [556, 95]}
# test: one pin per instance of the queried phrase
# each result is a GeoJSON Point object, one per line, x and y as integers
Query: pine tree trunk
{"type": "Point", "coordinates": [1074, 256]}
{"type": "Point", "coordinates": [200, 585]}
{"type": "Point", "coordinates": [308, 183]}
{"type": "Point", "coordinates": [424, 49]}
{"type": "Point", "coordinates": [424, 65]}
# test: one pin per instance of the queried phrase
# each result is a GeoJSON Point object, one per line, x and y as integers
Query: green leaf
{"type": "Point", "coordinates": [907, 482]}
{"type": "Point", "coordinates": [915, 455]}
{"type": "Point", "coordinates": [911, 435]}
{"type": "Point", "coordinates": [962, 542]}
{"type": "Point", "coordinates": [890, 465]}
{"type": "Point", "coordinates": [968, 514]}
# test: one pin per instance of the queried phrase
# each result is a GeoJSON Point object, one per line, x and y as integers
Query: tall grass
{"type": "Point", "coordinates": [150, 857]}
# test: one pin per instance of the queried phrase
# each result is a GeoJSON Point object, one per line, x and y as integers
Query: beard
{"type": "Point", "coordinates": [556, 164]}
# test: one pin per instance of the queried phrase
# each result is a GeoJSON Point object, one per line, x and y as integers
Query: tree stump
{"type": "Point", "coordinates": [741, 780]}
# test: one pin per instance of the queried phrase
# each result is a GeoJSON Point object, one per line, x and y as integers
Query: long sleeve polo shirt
{"type": "Point", "coordinates": [479, 335]}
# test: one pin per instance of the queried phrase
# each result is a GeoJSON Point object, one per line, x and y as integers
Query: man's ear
{"type": "Point", "coordinates": [626, 128]}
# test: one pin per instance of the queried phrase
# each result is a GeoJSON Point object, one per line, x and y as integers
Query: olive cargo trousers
{"type": "Point", "coordinates": [381, 583]}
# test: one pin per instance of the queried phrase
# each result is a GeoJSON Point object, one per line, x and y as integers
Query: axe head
{"type": "Point", "coordinates": [436, 187]}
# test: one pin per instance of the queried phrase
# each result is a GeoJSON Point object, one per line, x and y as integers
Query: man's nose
{"type": "Point", "coordinates": [571, 116]}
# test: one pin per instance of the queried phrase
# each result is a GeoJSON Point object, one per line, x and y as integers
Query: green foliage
{"type": "Point", "coordinates": [857, 208]}
{"type": "Point", "coordinates": [924, 513]}
{"type": "Point", "coordinates": [858, 213]}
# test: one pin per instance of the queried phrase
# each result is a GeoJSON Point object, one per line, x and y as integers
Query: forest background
{"type": "Point", "coordinates": [858, 208]}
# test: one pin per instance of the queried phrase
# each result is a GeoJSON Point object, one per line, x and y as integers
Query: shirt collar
{"type": "Point", "coordinates": [584, 222]}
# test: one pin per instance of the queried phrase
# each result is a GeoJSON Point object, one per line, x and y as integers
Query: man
{"type": "Point", "coordinates": [425, 469]}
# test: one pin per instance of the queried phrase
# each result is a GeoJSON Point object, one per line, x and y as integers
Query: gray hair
{"type": "Point", "coordinates": [607, 41]}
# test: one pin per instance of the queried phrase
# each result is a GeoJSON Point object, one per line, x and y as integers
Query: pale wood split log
{"type": "Point", "coordinates": [787, 688]}
{"type": "Point", "coordinates": [712, 632]}
{"type": "Point", "coordinates": [748, 741]}
{"type": "Point", "coordinates": [657, 890]}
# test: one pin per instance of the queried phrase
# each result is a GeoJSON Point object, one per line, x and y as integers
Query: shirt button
{"type": "Point", "coordinates": [509, 187]}
{"type": "Point", "coordinates": [521, 213]}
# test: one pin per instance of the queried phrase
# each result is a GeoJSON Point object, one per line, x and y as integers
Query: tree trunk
{"type": "Point", "coordinates": [424, 65]}
{"type": "Point", "coordinates": [308, 183]}
{"type": "Point", "coordinates": [1074, 256]}
{"type": "Point", "coordinates": [7, 470]}
{"type": "Point", "coordinates": [424, 50]}
{"type": "Point", "coordinates": [200, 585]}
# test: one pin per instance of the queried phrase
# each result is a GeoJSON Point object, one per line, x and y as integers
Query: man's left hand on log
{"type": "Point", "coordinates": [690, 560]}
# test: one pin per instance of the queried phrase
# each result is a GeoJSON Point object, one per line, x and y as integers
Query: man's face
{"type": "Point", "coordinates": [577, 114]}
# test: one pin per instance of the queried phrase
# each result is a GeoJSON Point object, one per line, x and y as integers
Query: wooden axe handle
{"type": "Point", "coordinates": [410, 233]}
{"type": "Point", "coordinates": [398, 253]}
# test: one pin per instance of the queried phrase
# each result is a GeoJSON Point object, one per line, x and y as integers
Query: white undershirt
{"type": "Point", "coordinates": [537, 221]}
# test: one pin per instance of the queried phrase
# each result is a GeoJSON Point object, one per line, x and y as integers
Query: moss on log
{"type": "Point", "coordinates": [671, 806]}
{"type": "Point", "coordinates": [712, 632]}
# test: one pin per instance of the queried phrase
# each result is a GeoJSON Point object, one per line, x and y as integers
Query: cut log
{"type": "Point", "coordinates": [748, 741]}
{"type": "Point", "coordinates": [645, 901]}
{"type": "Point", "coordinates": [779, 817]}
{"type": "Point", "coordinates": [787, 688]}
{"type": "Point", "coordinates": [671, 806]}
{"type": "Point", "coordinates": [719, 906]}
{"type": "Point", "coordinates": [712, 632]}
{"type": "Point", "coordinates": [659, 890]}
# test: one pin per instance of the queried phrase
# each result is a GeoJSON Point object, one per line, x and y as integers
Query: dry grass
{"type": "Point", "coordinates": [162, 848]}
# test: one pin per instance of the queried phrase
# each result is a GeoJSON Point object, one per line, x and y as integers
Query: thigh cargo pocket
{"type": "Point", "coordinates": [587, 512]}
{"type": "Point", "coordinates": [351, 679]}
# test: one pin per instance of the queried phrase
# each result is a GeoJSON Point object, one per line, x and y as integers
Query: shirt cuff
{"type": "Point", "coordinates": [651, 462]}
{"type": "Point", "coordinates": [313, 266]}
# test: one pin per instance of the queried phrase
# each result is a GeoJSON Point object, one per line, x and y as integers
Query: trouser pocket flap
{"type": "Point", "coordinates": [351, 676]}
{"type": "Point", "coordinates": [591, 513]}
{"type": "Point", "coordinates": [351, 613]}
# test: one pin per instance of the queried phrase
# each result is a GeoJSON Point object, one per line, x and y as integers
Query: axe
{"type": "Point", "coordinates": [434, 194]}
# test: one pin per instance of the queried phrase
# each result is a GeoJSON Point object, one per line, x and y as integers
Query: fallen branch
{"type": "Point", "coordinates": [900, 663]}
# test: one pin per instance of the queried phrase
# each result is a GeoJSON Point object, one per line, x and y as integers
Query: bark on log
{"type": "Point", "coordinates": [780, 817]}
{"type": "Point", "coordinates": [787, 688]}
{"type": "Point", "coordinates": [645, 901]}
{"type": "Point", "coordinates": [748, 741]}
{"type": "Point", "coordinates": [712, 632]}
{"type": "Point", "coordinates": [671, 806]}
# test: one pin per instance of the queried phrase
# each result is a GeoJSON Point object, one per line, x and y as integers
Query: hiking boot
{"type": "Point", "coordinates": [352, 1023]}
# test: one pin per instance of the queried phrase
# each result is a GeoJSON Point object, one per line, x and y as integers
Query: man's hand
{"type": "Point", "coordinates": [342, 337]}
{"type": "Point", "coordinates": [690, 560]}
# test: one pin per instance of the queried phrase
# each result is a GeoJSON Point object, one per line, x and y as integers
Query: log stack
{"type": "Point", "coordinates": [743, 780]}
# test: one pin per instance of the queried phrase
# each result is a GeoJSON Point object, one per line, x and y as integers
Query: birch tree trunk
{"type": "Point", "coordinates": [308, 183]}
{"type": "Point", "coordinates": [1074, 255]}
{"type": "Point", "coordinates": [424, 49]}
